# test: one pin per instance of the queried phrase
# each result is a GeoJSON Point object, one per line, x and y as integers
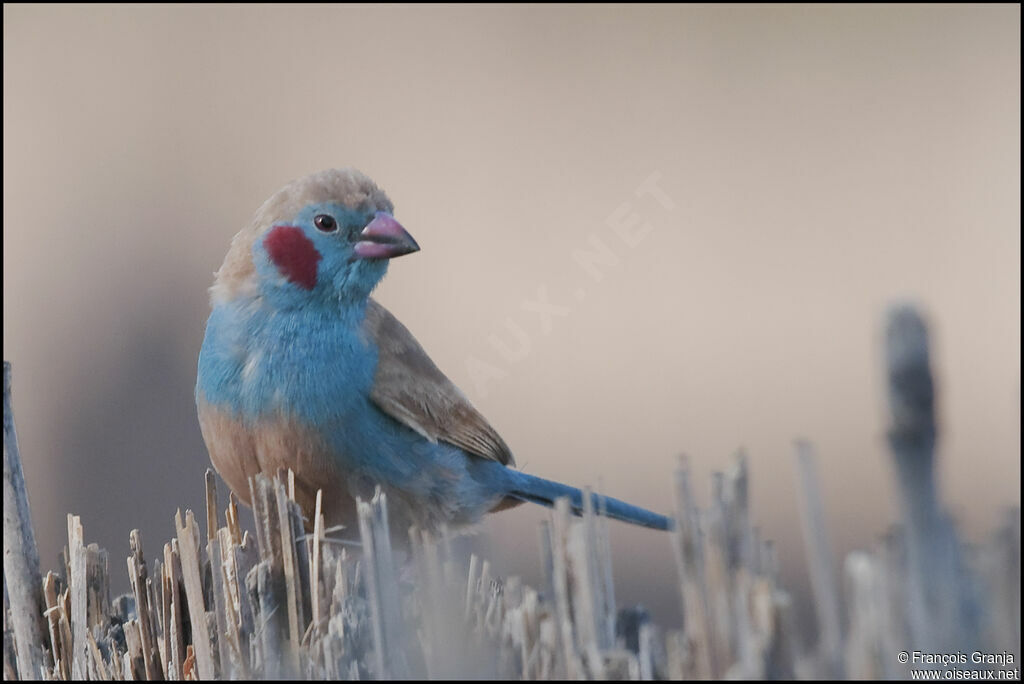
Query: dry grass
{"type": "Point", "coordinates": [222, 603]}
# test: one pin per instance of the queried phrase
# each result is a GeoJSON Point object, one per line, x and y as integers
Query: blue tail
{"type": "Point", "coordinates": [545, 492]}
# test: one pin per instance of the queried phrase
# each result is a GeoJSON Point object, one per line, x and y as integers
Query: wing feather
{"type": "Point", "coordinates": [410, 388]}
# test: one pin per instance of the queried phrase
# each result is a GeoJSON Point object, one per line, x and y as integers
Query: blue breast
{"type": "Point", "coordinates": [309, 363]}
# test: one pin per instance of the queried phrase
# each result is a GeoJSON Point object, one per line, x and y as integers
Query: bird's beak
{"type": "Point", "coordinates": [384, 238]}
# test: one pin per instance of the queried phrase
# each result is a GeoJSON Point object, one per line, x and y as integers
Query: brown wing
{"type": "Point", "coordinates": [412, 390]}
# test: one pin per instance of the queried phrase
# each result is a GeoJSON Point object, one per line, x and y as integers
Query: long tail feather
{"type": "Point", "coordinates": [546, 492]}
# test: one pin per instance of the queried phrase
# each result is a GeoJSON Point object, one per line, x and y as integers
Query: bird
{"type": "Point", "coordinates": [301, 369]}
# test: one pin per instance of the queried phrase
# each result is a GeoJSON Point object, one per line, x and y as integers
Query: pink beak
{"type": "Point", "coordinates": [384, 238]}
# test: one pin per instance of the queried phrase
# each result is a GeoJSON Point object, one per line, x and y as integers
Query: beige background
{"type": "Point", "coordinates": [822, 162]}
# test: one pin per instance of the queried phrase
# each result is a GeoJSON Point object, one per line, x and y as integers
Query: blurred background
{"type": "Point", "coordinates": [711, 207]}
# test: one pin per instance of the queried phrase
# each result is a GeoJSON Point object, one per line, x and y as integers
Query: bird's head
{"type": "Point", "coordinates": [327, 236]}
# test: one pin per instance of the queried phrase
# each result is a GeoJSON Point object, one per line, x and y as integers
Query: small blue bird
{"type": "Point", "coordinates": [300, 368]}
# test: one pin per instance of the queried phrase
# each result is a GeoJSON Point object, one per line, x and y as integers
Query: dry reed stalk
{"type": "Point", "coordinates": [21, 558]}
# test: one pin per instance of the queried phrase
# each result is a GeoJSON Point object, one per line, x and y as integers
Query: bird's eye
{"type": "Point", "coordinates": [325, 223]}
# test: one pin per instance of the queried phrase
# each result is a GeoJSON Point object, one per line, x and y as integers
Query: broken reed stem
{"type": "Point", "coordinates": [22, 579]}
{"type": "Point", "coordinates": [820, 563]}
{"type": "Point", "coordinates": [941, 611]}
{"type": "Point", "coordinates": [687, 542]}
{"type": "Point", "coordinates": [189, 550]}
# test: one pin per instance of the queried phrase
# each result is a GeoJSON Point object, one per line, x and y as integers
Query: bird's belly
{"type": "Point", "coordinates": [241, 449]}
{"type": "Point", "coordinates": [427, 485]}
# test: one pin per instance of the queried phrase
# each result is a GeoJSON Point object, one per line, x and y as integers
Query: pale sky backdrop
{"type": "Point", "coordinates": [820, 162]}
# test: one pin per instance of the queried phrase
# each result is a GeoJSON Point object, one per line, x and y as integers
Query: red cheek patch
{"type": "Point", "coordinates": [294, 255]}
